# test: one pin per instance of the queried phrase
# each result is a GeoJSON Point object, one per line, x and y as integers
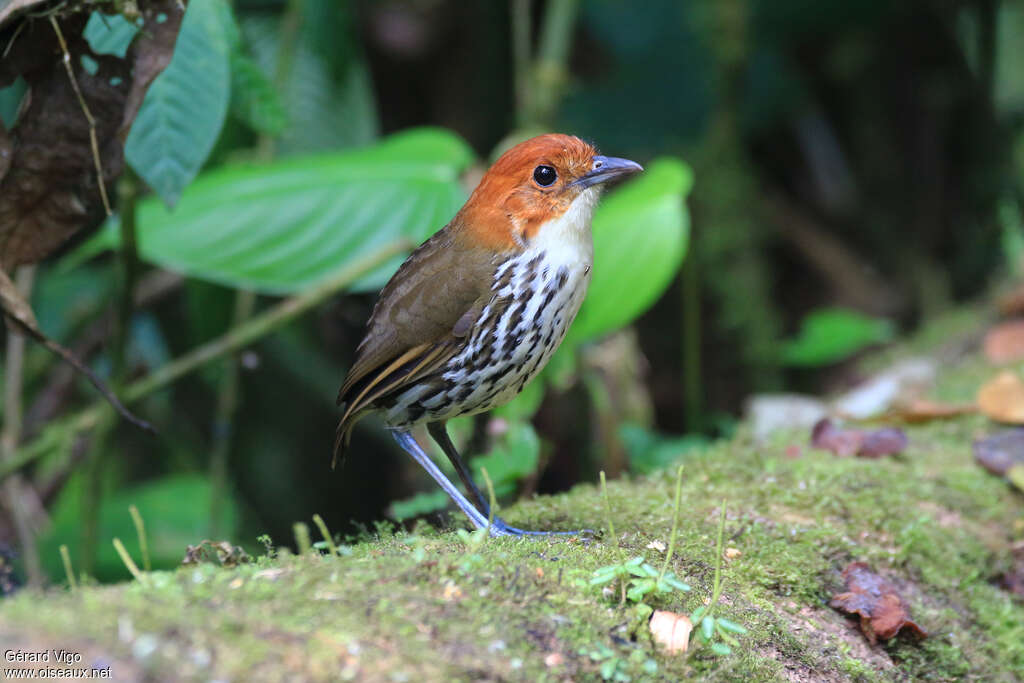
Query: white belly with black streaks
{"type": "Point", "coordinates": [509, 344]}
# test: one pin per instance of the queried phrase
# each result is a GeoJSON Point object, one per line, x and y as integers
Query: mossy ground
{"type": "Point", "coordinates": [424, 606]}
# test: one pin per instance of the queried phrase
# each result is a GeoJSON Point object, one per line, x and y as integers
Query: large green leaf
{"type": "Point", "coordinates": [330, 102]}
{"type": "Point", "coordinates": [640, 237]}
{"type": "Point", "coordinates": [829, 335]}
{"type": "Point", "coordinates": [185, 107]}
{"type": "Point", "coordinates": [175, 510]}
{"type": "Point", "coordinates": [280, 227]}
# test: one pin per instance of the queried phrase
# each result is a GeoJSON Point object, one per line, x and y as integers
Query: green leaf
{"type": "Point", "coordinates": [185, 106]}
{"type": "Point", "coordinates": [721, 649]}
{"type": "Point", "coordinates": [829, 335]}
{"type": "Point", "coordinates": [731, 626]}
{"type": "Point", "coordinates": [649, 451]}
{"type": "Point", "coordinates": [707, 627]}
{"type": "Point", "coordinates": [419, 504]}
{"type": "Point", "coordinates": [10, 102]}
{"type": "Point", "coordinates": [109, 34]}
{"type": "Point", "coordinates": [281, 227]}
{"type": "Point", "coordinates": [330, 104]}
{"type": "Point", "coordinates": [254, 100]}
{"type": "Point", "coordinates": [175, 510]}
{"type": "Point", "coordinates": [640, 236]}
{"type": "Point", "coordinates": [512, 458]}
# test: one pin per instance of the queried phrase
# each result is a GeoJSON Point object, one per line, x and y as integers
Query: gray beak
{"type": "Point", "coordinates": [608, 168]}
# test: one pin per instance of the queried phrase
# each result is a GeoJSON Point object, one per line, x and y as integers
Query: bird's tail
{"type": "Point", "coordinates": [342, 436]}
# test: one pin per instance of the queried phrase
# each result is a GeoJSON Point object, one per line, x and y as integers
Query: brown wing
{"type": "Point", "coordinates": [418, 322]}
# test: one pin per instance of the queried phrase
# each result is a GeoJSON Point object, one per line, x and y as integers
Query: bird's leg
{"type": "Point", "coordinates": [439, 431]}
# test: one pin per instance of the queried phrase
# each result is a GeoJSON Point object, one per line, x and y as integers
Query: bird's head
{"type": "Point", "coordinates": [536, 182]}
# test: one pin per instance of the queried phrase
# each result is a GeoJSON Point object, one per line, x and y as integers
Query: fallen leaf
{"type": "Point", "coordinates": [50, 188]}
{"type": "Point", "coordinates": [909, 378]}
{"type": "Point", "coordinates": [657, 545]}
{"type": "Point", "coordinates": [846, 442]}
{"type": "Point", "coordinates": [999, 452]}
{"type": "Point", "coordinates": [924, 410]}
{"type": "Point", "coordinates": [1012, 303]}
{"type": "Point", "coordinates": [1015, 475]}
{"type": "Point", "coordinates": [827, 436]}
{"type": "Point", "coordinates": [1002, 398]}
{"type": "Point", "coordinates": [671, 630]}
{"type": "Point", "coordinates": [732, 553]}
{"type": "Point", "coordinates": [883, 613]}
{"type": "Point", "coordinates": [880, 442]}
{"type": "Point", "coordinates": [1004, 343]}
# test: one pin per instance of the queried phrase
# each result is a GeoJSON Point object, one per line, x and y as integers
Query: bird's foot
{"type": "Point", "coordinates": [500, 528]}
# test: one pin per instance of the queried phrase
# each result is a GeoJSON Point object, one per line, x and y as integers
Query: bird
{"type": "Point", "coordinates": [478, 309]}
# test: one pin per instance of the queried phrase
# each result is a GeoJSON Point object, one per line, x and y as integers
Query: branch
{"type": "Point", "coordinates": [238, 338]}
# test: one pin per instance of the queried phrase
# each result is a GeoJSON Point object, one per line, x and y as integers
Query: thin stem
{"type": "Point", "coordinates": [322, 526]}
{"type": "Point", "coordinates": [16, 490]}
{"type": "Point", "coordinates": [233, 340]}
{"type": "Point", "coordinates": [127, 194]}
{"type": "Point", "coordinates": [490, 497]}
{"type": "Point", "coordinates": [607, 508]}
{"type": "Point", "coordinates": [140, 531]}
{"type": "Point", "coordinates": [223, 421]}
{"type": "Point", "coordinates": [302, 543]}
{"type": "Point", "coordinates": [675, 524]}
{"type": "Point", "coordinates": [717, 588]}
{"type": "Point", "coordinates": [521, 14]}
{"type": "Point", "coordinates": [550, 70]}
{"type": "Point", "coordinates": [65, 557]}
{"type": "Point", "coordinates": [128, 562]}
{"type": "Point", "coordinates": [692, 386]}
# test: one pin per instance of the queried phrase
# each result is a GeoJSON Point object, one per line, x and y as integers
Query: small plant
{"type": "Point", "coordinates": [637, 579]}
{"type": "Point", "coordinates": [717, 632]}
{"type": "Point", "coordinates": [615, 666]}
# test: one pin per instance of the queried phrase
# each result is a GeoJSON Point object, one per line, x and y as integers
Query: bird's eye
{"type": "Point", "coordinates": [545, 176]}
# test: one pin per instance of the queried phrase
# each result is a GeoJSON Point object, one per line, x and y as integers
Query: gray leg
{"type": "Point", "coordinates": [439, 431]}
{"type": "Point", "coordinates": [478, 519]}
{"type": "Point", "coordinates": [440, 434]}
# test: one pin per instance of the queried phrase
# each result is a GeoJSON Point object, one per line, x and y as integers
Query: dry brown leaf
{"type": "Point", "coordinates": [50, 188]}
{"type": "Point", "coordinates": [845, 442]}
{"type": "Point", "coordinates": [1012, 302]}
{"type": "Point", "coordinates": [1004, 343]}
{"type": "Point", "coordinates": [883, 613]}
{"type": "Point", "coordinates": [1000, 451]}
{"type": "Point", "coordinates": [671, 631]}
{"type": "Point", "coordinates": [924, 410]}
{"type": "Point", "coordinates": [1002, 398]}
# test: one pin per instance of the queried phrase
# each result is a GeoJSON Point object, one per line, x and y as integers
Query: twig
{"type": "Point", "coordinates": [85, 110]}
{"type": "Point", "coordinates": [231, 341]}
{"type": "Point", "coordinates": [16, 488]}
{"type": "Point", "coordinates": [550, 72]}
{"type": "Point", "coordinates": [223, 420]}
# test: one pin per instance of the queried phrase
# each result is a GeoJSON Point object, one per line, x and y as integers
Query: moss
{"type": "Point", "coordinates": [423, 606]}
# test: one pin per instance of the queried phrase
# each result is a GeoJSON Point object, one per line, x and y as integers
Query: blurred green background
{"type": "Point", "coordinates": [833, 172]}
